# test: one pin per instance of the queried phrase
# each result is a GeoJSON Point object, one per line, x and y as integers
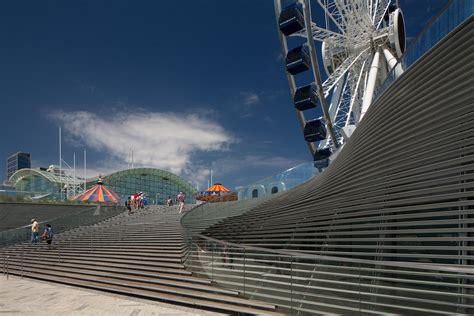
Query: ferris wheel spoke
{"type": "Point", "coordinates": [342, 109]}
{"type": "Point", "coordinates": [320, 34]}
{"type": "Point", "coordinates": [340, 72]}
{"type": "Point", "coordinates": [331, 11]}
{"type": "Point", "coordinates": [380, 10]}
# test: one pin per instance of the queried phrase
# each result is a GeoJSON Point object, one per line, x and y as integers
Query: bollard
{"type": "Point", "coordinates": [22, 256]}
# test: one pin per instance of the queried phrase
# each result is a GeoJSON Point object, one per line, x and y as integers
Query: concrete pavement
{"type": "Point", "coordinates": [31, 297]}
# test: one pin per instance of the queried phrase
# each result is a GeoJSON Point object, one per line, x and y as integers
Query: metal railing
{"type": "Point", "coordinates": [304, 284]}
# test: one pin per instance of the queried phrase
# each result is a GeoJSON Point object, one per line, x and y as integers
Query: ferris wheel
{"type": "Point", "coordinates": [358, 42]}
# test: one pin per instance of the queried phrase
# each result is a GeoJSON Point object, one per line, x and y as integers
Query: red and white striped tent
{"type": "Point", "coordinates": [99, 193]}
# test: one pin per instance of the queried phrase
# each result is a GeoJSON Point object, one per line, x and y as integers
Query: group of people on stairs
{"type": "Point", "coordinates": [47, 233]}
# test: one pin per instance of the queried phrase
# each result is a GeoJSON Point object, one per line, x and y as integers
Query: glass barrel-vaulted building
{"type": "Point", "coordinates": [155, 183]}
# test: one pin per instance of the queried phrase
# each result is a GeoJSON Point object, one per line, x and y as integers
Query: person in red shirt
{"type": "Point", "coordinates": [135, 200]}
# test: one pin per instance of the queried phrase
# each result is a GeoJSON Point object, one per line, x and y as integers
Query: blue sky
{"type": "Point", "coordinates": [184, 86]}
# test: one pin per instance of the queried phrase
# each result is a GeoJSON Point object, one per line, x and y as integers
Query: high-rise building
{"type": "Point", "coordinates": [18, 161]}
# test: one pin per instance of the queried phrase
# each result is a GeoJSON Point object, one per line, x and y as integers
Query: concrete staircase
{"type": "Point", "coordinates": [140, 255]}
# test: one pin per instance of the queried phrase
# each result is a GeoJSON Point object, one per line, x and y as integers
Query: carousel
{"type": "Point", "coordinates": [216, 193]}
{"type": "Point", "coordinates": [99, 193]}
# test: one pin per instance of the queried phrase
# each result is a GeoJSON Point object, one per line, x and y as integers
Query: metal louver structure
{"type": "Point", "coordinates": [388, 227]}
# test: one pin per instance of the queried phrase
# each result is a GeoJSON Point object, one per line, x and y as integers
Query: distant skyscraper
{"type": "Point", "coordinates": [18, 161]}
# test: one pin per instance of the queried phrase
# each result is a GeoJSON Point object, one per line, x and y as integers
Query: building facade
{"type": "Point", "coordinates": [155, 183]}
{"type": "Point", "coordinates": [17, 161]}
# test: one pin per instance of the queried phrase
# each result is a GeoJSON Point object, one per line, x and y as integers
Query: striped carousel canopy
{"type": "Point", "coordinates": [216, 193]}
{"type": "Point", "coordinates": [99, 193]}
{"type": "Point", "coordinates": [217, 187]}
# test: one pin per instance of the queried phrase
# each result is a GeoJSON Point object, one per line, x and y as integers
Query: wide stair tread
{"type": "Point", "coordinates": [220, 302]}
{"type": "Point", "coordinates": [80, 273]}
{"type": "Point", "coordinates": [130, 266]}
{"type": "Point", "coordinates": [93, 254]}
{"type": "Point", "coordinates": [101, 250]}
{"type": "Point", "coordinates": [152, 273]}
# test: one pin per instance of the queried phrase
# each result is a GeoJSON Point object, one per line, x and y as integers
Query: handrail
{"type": "Point", "coordinates": [398, 264]}
{"type": "Point", "coordinates": [6, 261]}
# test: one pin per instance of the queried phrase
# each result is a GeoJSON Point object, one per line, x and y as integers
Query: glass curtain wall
{"type": "Point", "coordinates": [156, 184]}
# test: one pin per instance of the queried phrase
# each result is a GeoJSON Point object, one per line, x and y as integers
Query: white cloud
{"type": "Point", "coordinates": [250, 98]}
{"type": "Point", "coordinates": [159, 140]}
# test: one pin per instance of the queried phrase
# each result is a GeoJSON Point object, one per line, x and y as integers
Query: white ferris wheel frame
{"type": "Point", "coordinates": [353, 83]}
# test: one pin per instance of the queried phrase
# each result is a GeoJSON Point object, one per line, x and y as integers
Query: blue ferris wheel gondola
{"type": "Point", "coordinates": [322, 154]}
{"type": "Point", "coordinates": [291, 19]}
{"type": "Point", "coordinates": [321, 158]}
{"type": "Point", "coordinates": [306, 97]}
{"type": "Point", "coordinates": [298, 60]}
{"type": "Point", "coordinates": [314, 131]}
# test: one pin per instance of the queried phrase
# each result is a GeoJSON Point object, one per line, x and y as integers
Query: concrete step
{"type": "Point", "coordinates": [53, 255]}
{"type": "Point", "coordinates": [128, 242]}
{"type": "Point", "coordinates": [94, 254]}
{"type": "Point", "coordinates": [83, 263]}
{"type": "Point", "coordinates": [188, 297]}
{"type": "Point", "coordinates": [150, 273]}
{"type": "Point", "coordinates": [146, 280]}
{"type": "Point", "coordinates": [145, 251]}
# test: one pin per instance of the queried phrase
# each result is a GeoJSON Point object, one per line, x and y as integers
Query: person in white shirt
{"type": "Point", "coordinates": [34, 231]}
{"type": "Point", "coordinates": [180, 199]}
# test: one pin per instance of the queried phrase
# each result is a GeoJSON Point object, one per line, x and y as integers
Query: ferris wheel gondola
{"type": "Point", "coordinates": [359, 42]}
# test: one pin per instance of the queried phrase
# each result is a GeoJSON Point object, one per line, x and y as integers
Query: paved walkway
{"type": "Point", "coordinates": [31, 297]}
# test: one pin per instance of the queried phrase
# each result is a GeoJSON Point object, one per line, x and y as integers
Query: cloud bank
{"type": "Point", "coordinates": [159, 140]}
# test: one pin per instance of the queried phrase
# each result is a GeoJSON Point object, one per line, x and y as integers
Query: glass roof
{"type": "Point", "coordinates": [55, 178]}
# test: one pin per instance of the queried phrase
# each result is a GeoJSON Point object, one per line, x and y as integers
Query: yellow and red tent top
{"type": "Point", "coordinates": [217, 187]}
